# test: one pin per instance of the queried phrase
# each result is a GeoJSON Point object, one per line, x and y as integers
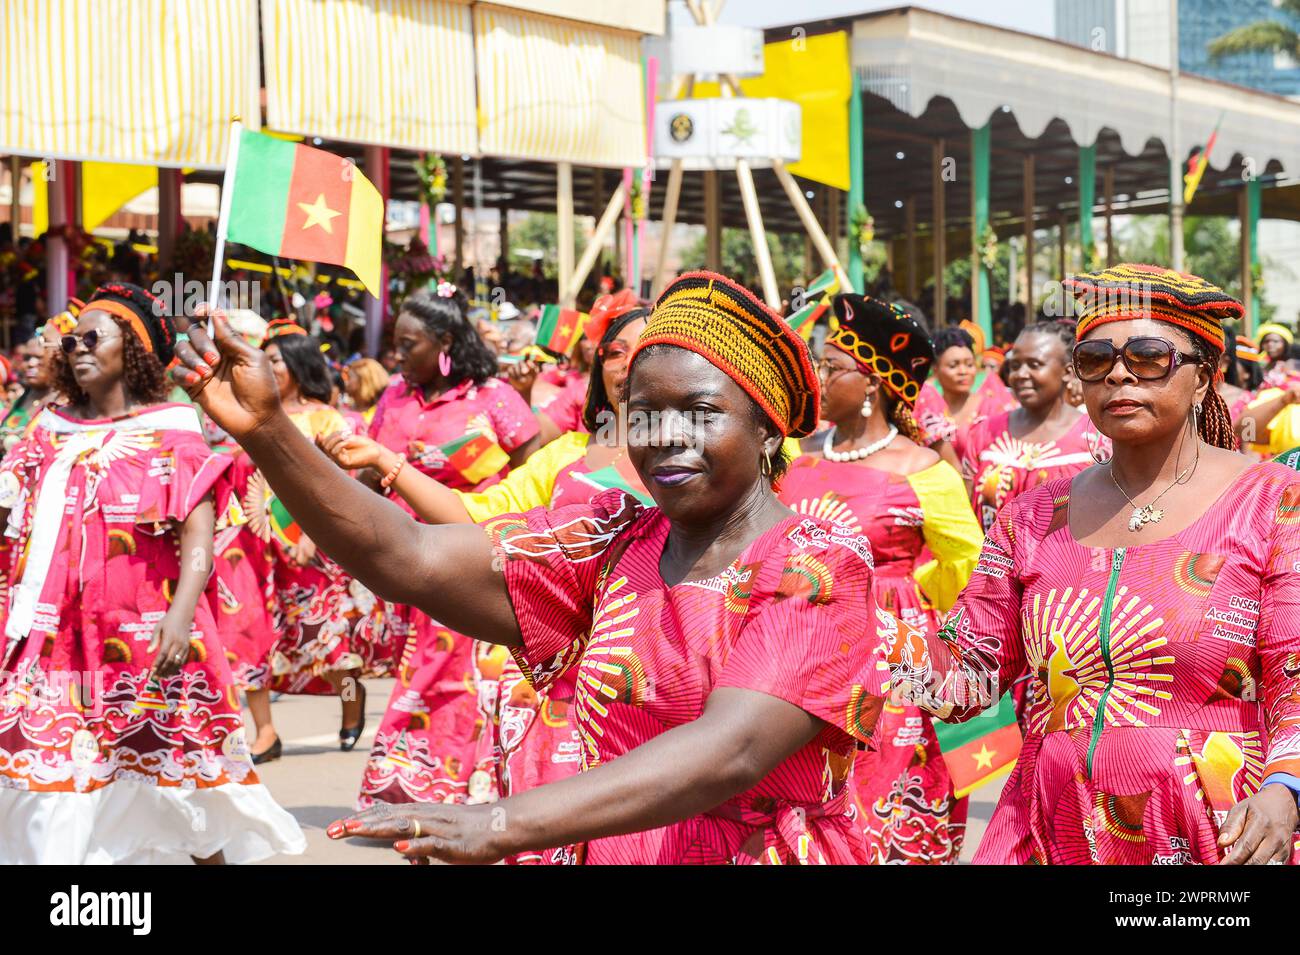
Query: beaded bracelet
{"type": "Point", "coordinates": [387, 480]}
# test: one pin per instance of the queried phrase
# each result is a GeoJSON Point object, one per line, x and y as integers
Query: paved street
{"type": "Point", "coordinates": [317, 783]}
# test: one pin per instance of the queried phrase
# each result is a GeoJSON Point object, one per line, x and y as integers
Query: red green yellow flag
{"type": "Point", "coordinates": [560, 329]}
{"type": "Point", "coordinates": [981, 748]}
{"type": "Point", "coordinates": [617, 476]}
{"type": "Point", "coordinates": [476, 456]}
{"type": "Point", "coordinates": [290, 200]}
{"type": "Point", "coordinates": [818, 298]}
{"type": "Point", "coordinates": [1196, 166]}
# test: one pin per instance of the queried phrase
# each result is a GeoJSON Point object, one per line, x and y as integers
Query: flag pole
{"type": "Point", "coordinates": [223, 219]}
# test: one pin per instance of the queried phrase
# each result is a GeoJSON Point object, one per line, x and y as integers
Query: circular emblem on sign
{"type": "Point", "coordinates": [682, 127]}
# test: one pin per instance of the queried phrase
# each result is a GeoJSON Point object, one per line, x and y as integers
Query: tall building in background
{"type": "Point", "coordinates": [1139, 30]}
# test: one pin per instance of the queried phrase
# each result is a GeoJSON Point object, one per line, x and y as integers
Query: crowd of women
{"type": "Point", "coordinates": [688, 596]}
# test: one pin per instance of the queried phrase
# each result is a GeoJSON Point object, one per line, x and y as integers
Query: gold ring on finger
{"type": "Point", "coordinates": [416, 834]}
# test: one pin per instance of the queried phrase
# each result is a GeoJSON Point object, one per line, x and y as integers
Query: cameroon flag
{"type": "Point", "coordinates": [290, 200]}
{"type": "Point", "coordinates": [560, 329]}
{"type": "Point", "coordinates": [476, 456]}
{"type": "Point", "coordinates": [981, 748]}
{"type": "Point", "coordinates": [617, 476]}
{"type": "Point", "coordinates": [818, 298]}
{"type": "Point", "coordinates": [283, 526]}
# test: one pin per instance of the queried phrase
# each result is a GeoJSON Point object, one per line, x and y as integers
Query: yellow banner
{"type": "Point", "coordinates": [815, 73]}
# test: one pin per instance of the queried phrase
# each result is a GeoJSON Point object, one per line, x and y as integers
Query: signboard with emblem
{"type": "Point", "coordinates": [714, 133]}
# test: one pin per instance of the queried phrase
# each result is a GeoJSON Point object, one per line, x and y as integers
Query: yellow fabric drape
{"type": "Point", "coordinates": [951, 532]}
{"type": "Point", "coordinates": [529, 485]}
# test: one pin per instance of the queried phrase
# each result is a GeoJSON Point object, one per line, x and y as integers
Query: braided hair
{"type": "Point", "coordinates": [1215, 424]}
{"type": "Point", "coordinates": [1062, 330]}
{"type": "Point", "coordinates": [900, 416]}
{"type": "Point", "coordinates": [951, 336]}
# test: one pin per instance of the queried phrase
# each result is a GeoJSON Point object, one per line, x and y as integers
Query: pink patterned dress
{"type": "Point", "coordinates": [565, 406]}
{"type": "Point", "coordinates": [433, 744]}
{"type": "Point", "coordinates": [785, 619]}
{"type": "Point", "coordinates": [99, 762]}
{"type": "Point", "coordinates": [1002, 467]}
{"type": "Point", "coordinates": [936, 423]}
{"type": "Point", "coordinates": [1165, 677]}
{"type": "Point", "coordinates": [904, 793]}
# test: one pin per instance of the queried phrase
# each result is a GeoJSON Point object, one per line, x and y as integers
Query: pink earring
{"type": "Point", "coordinates": [444, 363]}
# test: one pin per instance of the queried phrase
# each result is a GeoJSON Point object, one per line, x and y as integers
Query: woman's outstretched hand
{"type": "Point", "coordinates": [1260, 830]}
{"type": "Point", "coordinates": [432, 832]}
{"type": "Point", "coordinates": [353, 452]}
{"type": "Point", "coordinates": [230, 379]}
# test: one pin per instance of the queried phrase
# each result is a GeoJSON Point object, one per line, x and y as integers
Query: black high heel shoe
{"type": "Point", "coordinates": [348, 737]}
{"type": "Point", "coordinates": [274, 751]}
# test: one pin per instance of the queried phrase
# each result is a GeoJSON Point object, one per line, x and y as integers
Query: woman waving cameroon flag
{"type": "Point", "coordinates": [287, 199]}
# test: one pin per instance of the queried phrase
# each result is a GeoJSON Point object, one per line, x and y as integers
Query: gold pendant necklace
{"type": "Point", "coordinates": [1144, 514]}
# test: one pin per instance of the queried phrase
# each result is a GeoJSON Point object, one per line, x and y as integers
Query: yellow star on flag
{"type": "Point", "coordinates": [318, 213]}
{"type": "Point", "coordinates": [984, 758]}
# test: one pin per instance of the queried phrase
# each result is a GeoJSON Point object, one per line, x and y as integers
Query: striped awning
{"type": "Point", "coordinates": [390, 72]}
{"type": "Point", "coordinates": [558, 90]}
{"type": "Point", "coordinates": [136, 81]}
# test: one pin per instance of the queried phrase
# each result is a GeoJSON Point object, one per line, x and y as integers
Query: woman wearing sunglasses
{"type": "Point", "coordinates": [1155, 604]}
{"type": "Point", "coordinates": [1045, 438]}
{"type": "Point", "coordinates": [141, 756]}
{"type": "Point", "coordinates": [872, 473]}
{"type": "Point", "coordinates": [569, 470]}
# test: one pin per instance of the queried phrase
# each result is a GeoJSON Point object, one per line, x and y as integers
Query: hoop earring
{"type": "Point", "coordinates": [766, 467]}
{"type": "Point", "coordinates": [444, 362]}
{"type": "Point", "coordinates": [866, 407]}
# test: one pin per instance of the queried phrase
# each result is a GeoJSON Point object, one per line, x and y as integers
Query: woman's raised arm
{"type": "Point", "coordinates": [445, 571]}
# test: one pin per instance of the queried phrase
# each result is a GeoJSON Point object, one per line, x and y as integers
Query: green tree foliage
{"type": "Point", "coordinates": [1262, 36]}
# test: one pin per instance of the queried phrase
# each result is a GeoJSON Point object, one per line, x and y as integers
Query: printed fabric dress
{"type": "Point", "coordinates": [565, 406]}
{"type": "Point", "coordinates": [535, 738]}
{"type": "Point", "coordinates": [98, 762]}
{"type": "Point", "coordinates": [1165, 677]}
{"type": "Point", "coordinates": [937, 424]}
{"type": "Point", "coordinates": [784, 619]}
{"type": "Point", "coordinates": [1002, 467]}
{"type": "Point", "coordinates": [433, 744]}
{"type": "Point", "coordinates": [902, 788]}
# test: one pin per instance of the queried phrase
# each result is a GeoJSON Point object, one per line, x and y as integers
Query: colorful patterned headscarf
{"type": "Point", "coordinates": [1148, 291]}
{"type": "Point", "coordinates": [723, 322]}
{"type": "Point", "coordinates": [1247, 350]}
{"type": "Point", "coordinates": [886, 340]}
{"type": "Point", "coordinates": [281, 327]}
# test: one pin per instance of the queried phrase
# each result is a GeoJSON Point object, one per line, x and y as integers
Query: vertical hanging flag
{"type": "Point", "coordinates": [1196, 166]}
{"type": "Point", "coordinates": [287, 199]}
{"type": "Point", "coordinates": [560, 329]}
{"type": "Point", "coordinates": [818, 298]}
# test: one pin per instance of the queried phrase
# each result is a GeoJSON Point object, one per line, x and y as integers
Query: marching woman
{"type": "Point", "coordinates": [535, 739]}
{"type": "Point", "coordinates": [446, 415]}
{"type": "Point", "coordinates": [313, 652]}
{"type": "Point", "coordinates": [725, 675]}
{"type": "Point", "coordinates": [872, 473]}
{"type": "Point", "coordinates": [140, 758]}
{"type": "Point", "coordinates": [1044, 438]}
{"type": "Point", "coordinates": [960, 396]}
{"type": "Point", "coordinates": [1152, 600]}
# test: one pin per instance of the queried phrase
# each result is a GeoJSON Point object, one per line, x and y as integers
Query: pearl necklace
{"type": "Point", "coordinates": [857, 454]}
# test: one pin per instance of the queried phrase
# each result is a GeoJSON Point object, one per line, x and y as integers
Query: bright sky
{"type": "Point", "coordinates": [1028, 16]}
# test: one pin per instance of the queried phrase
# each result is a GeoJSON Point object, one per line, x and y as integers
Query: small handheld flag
{"type": "Point", "coordinates": [476, 456]}
{"type": "Point", "coordinates": [1196, 166]}
{"type": "Point", "coordinates": [560, 329]}
{"type": "Point", "coordinates": [980, 749]}
{"type": "Point", "coordinates": [818, 298]}
{"type": "Point", "coordinates": [287, 199]}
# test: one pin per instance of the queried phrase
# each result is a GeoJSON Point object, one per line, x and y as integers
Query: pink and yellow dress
{"type": "Point", "coordinates": [98, 762]}
{"type": "Point", "coordinates": [1002, 466]}
{"type": "Point", "coordinates": [536, 741]}
{"type": "Point", "coordinates": [937, 424]}
{"type": "Point", "coordinates": [901, 785]}
{"type": "Point", "coordinates": [433, 744]}
{"type": "Point", "coordinates": [1165, 677]}
{"type": "Point", "coordinates": [786, 619]}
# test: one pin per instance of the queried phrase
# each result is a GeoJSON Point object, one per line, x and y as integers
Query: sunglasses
{"type": "Point", "coordinates": [90, 340]}
{"type": "Point", "coordinates": [614, 351]}
{"type": "Point", "coordinates": [1146, 358]}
